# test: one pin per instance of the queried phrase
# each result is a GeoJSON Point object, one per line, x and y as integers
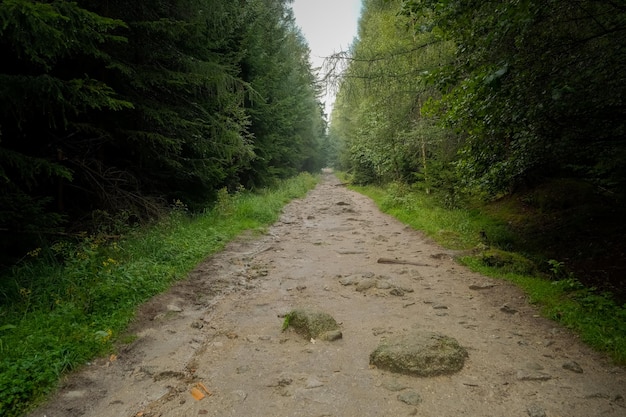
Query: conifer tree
{"type": "Point", "coordinates": [49, 81]}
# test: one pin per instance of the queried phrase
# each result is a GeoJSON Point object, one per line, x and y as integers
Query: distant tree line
{"type": "Point", "coordinates": [113, 109]}
{"type": "Point", "coordinates": [486, 96]}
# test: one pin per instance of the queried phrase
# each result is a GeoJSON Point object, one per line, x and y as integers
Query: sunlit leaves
{"type": "Point", "coordinates": [379, 109]}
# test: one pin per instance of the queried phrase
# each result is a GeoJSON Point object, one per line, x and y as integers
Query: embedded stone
{"type": "Point", "coordinates": [313, 324]}
{"type": "Point", "coordinates": [420, 353]}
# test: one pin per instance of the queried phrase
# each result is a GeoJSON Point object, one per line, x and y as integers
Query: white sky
{"type": "Point", "coordinates": [329, 26]}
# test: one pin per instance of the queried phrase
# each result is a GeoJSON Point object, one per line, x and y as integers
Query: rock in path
{"type": "Point", "coordinates": [524, 375]}
{"type": "Point", "coordinates": [410, 397]}
{"type": "Point", "coordinates": [313, 324]}
{"type": "Point", "coordinates": [573, 366]}
{"type": "Point", "coordinates": [535, 410]}
{"type": "Point", "coordinates": [420, 353]}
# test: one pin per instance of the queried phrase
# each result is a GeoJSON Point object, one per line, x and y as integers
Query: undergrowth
{"type": "Point", "coordinates": [594, 315]}
{"type": "Point", "coordinates": [68, 302]}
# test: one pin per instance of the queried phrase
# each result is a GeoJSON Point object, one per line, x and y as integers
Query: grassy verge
{"type": "Point", "coordinates": [594, 316]}
{"type": "Point", "coordinates": [68, 303]}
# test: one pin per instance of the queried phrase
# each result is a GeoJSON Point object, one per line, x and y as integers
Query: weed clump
{"type": "Point", "coordinates": [508, 261]}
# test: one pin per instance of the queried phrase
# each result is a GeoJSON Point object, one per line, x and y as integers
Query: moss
{"type": "Point", "coordinates": [422, 354]}
{"type": "Point", "coordinates": [311, 324]}
{"type": "Point", "coordinates": [508, 261]}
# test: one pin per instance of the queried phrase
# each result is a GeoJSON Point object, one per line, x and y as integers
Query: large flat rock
{"type": "Point", "coordinates": [420, 353]}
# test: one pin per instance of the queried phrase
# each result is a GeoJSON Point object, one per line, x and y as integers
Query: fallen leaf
{"type": "Point", "coordinates": [197, 394]}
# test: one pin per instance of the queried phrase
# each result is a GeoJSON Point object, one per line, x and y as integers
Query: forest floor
{"type": "Point", "coordinates": [219, 333]}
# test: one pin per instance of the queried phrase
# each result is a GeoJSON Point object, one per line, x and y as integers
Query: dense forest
{"type": "Point", "coordinates": [112, 111]}
{"type": "Point", "coordinates": [514, 100]}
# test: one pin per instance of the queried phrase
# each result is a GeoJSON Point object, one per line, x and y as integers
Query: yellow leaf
{"type": "Point", "coordinates": [197, 394]}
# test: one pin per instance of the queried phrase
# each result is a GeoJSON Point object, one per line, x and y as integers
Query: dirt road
{"type": "Point", "coordinates": [221, 330]}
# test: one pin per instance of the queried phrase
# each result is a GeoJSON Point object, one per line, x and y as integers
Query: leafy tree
{"type": "Point", "coordinates": [537, 88]}
{"type": "Point", "coordinates": [378, 113]}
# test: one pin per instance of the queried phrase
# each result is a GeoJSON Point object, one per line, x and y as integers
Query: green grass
{"type": "Point", "coordinates": [595, 317]}
{"type": "Point", "coordinates": [70, 302]}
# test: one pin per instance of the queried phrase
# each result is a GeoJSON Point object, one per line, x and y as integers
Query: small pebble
{"type": "Point", "coordinates": [573, 366]}
{"type": "Point", "coordinates": [397, 292]}
{"type": "Point", "coordinates": [410, 397]}
{"type": "Point", "coordinates": [534, 410]}
{"type": "Point", "coordinates": [506, 309]}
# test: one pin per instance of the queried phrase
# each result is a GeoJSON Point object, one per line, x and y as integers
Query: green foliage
{"type": "Point", "coordinates": [119, 108]}
{"type": "Point", "coordinates": [44, 33]}
{"type": "Point", "coordinates": [508, 261]}
{"type": "Point", "coordinates": [378, 117]}
{"type": "Point", "coordinates": [285, 114]}
{"type": "Point", "coordinates": [66, 303]}
{"type": "Point", "coordinates": [532, 88]}
{"type": "Point", "coordinates": [455, 228]}
{"type": "Point", "coordinates": [497, 101]}
{"type": "Point", "coordinates": [287, 321]}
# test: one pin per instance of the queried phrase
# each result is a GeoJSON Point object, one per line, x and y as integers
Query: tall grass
{"type": "Point", "coordinates": [596, 317]}
{"type": "Point", "coordinates": [68, 302]}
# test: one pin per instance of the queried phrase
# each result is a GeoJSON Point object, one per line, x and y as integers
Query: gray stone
{"type": "Point", "coordinates": [239, 395]}
{"type": "Point", "coordinates": [75, 394]}
{"type": "Point", "coordinates": [410, 397]}
{"type": "Point", "coordinates": [523, 375]}
{"type": "Point", "coordinates": [313, 383]}
{"type": "Point", "coordinates": [535, 410]}
{"type": "Point", "coordinates": [420, 353]}
{"type": "Point", "coordinates": [311, 324]}
{"type": "Point", "coordinates": [284, 381]}
{"type": "Point", "coordinates": [478, 287]}
{"type": "Point", "coordinates": [507, 309]}
{"type": "Point", "coordinates": [397, 292]}
{"type": "Point", "coordinates": [573, 366]}
{"type": "Point", "coordinates": [349, 280]}
{"type": "Point", "coordinates": [394, 385]}
{"type": "Point", "coordinates": [365, 284]}
{"type": "Point", "coordinates": [383, 285]}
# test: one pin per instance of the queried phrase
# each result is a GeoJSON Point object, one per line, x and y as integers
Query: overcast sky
{"type": "Point", "coordinates": [329, 26]}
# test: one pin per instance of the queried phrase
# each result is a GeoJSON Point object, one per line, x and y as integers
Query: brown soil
{"type": "Point", "coordinates": [221, 329]}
